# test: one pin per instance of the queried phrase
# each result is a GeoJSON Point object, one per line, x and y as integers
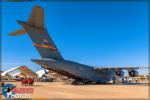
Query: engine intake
{"type": "Point", "coordinates": [133, 73]}
{"type": "Point", "coordinates": [119, 73]}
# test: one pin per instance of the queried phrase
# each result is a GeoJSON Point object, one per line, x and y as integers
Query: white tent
{"type": "Point", "coordinates": [40, 73]}
{"type": "Point", "coordinates": [8, 71]}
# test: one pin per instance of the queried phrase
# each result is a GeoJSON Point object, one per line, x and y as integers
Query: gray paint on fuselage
{"type": "Point", "coordinates": [79, 70]}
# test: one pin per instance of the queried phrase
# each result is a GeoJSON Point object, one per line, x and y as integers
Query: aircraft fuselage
{"type": "Point", "coordinates": [76, 70]}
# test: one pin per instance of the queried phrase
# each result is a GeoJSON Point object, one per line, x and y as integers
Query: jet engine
{"type": "Point", "coordinates": [133, 73]}
{"type": "Point", "coordinates": [120, 73]}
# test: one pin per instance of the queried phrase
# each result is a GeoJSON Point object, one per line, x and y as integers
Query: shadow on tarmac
{"type": "Point", "coordinates": [140, 84]}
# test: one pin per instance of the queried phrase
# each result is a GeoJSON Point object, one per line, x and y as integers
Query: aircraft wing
{"type": "Point", "coordinates": [116, 68]}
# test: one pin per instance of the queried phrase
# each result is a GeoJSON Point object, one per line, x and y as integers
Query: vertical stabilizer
{"type": "Point", "coordinates": [34, 27]}
{"type": "Point", "coordinates": [36, 19]}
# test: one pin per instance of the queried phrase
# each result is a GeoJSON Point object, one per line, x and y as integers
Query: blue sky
{"type": "Point", "coordinates": [111, 34]}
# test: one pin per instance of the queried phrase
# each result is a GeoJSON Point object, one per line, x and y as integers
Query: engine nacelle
{"type": "Point", "coordinates": [120, 73]}
{"type": "Point", "coordinates": [133, 73]}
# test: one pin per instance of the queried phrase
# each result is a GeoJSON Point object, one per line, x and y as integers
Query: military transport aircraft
{"type": "Point", "coordinates": [51, 58]}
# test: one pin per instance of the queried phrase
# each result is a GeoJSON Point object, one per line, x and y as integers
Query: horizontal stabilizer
{"type": "Point", "coordinates": [18, 32]}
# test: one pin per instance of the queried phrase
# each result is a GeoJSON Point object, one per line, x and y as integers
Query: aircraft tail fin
{"type": "Point", "coordinates": [36, 19]}
{"type": "Point", "coordinates": [34, 27]}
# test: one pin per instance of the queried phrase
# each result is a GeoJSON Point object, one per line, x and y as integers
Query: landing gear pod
{"type": "Point", "coordinates": [133, 73]}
